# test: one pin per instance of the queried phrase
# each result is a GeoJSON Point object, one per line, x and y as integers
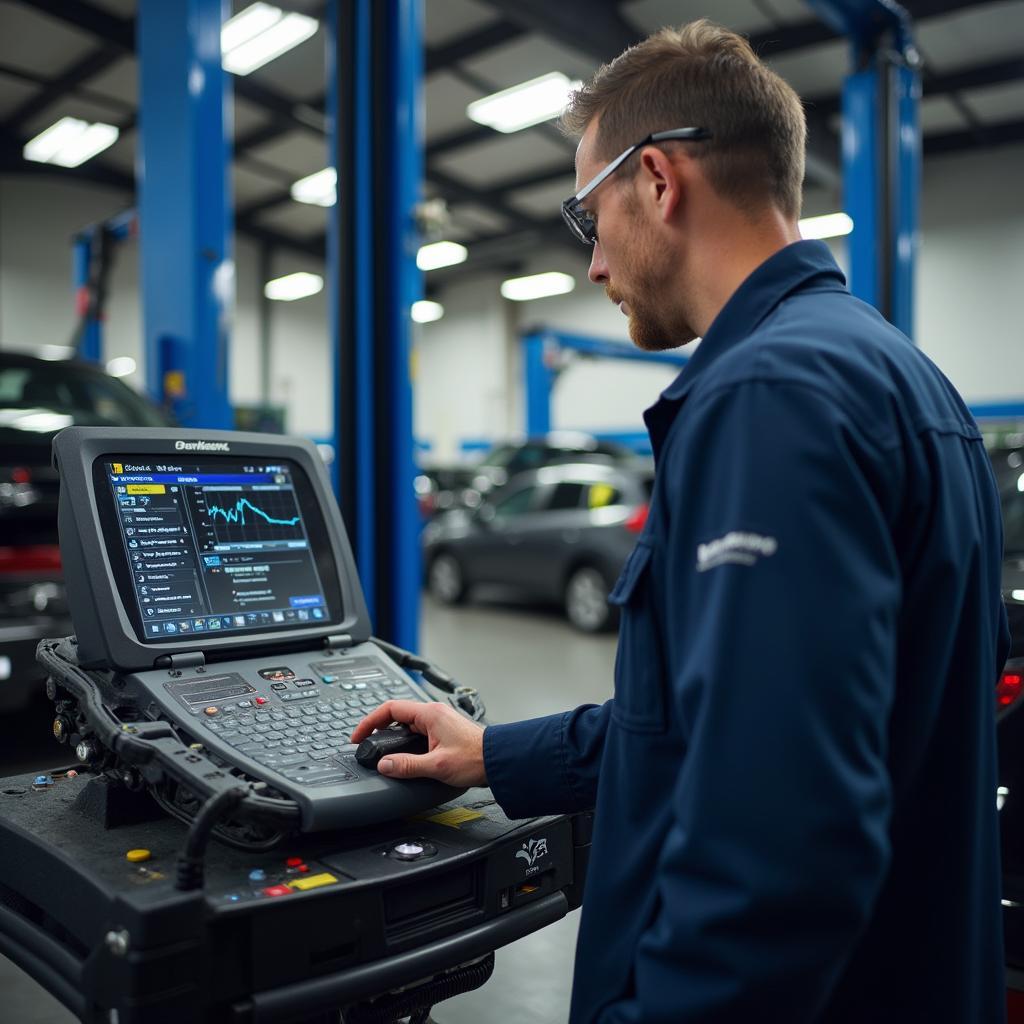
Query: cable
{"type": "Point", "coordinates": [136, 749]}
{"type": "Point", "coordinates": [223, 836]}
{"type": "Point", "coordinates": [463, 698]}
{"type": "Point", "coordinates": [190, 860]}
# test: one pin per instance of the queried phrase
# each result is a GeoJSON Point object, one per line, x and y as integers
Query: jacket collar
{"type": "Point", "coordinates": [790, 269]}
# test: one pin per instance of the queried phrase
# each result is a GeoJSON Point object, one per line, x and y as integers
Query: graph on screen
{"type": "Point", "coordinates": [272, 515]}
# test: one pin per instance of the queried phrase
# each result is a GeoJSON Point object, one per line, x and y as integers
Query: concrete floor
{"type": "Point", "coordinates": [526, 663]}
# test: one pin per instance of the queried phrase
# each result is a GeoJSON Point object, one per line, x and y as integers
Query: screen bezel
{"type": "Point", "coordinates": [105, 634]}
{"type": "Point", "coordinates": [309, 507]}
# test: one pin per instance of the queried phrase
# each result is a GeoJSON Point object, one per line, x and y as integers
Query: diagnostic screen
{"type": "Point", "coordinates": [215, 546]}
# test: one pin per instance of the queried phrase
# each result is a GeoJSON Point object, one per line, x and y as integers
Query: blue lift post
{"type": "Point", "coordinates": [91, 258]}
{"type": "Point", "coordinates": [185, 208]}
{"type": "Point", "coordinates": [540, 368]}
{"type": "Point", "coordinates": [881, 142]}
{"type": "Point", "coordinates": [375, 58]}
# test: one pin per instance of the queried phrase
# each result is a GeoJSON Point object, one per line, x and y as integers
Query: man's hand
{"type": "Point", "coordinates": [456, 745]}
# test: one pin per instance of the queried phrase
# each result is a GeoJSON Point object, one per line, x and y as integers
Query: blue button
{"type": "Point", "coordinates": [42, 780]}
{"type": "Point", "coordinates": [257, 875]}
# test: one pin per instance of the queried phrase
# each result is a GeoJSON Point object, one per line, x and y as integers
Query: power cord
{"type": "Point", "coordinates": [190, 860]}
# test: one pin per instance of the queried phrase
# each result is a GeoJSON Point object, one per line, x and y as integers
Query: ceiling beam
{"type": "Point", "coordinates": [80, 72]}
{"type": "Point", "coordinates": [96, 172]}
{"type": "Point", "coordinates": [989, 136]}
{"type": "Point", "coordinates": [593, 27]}
{"type": "Point", "coordinates": [464, 47]}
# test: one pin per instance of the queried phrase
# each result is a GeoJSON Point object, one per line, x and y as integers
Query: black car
{"type": "Point", "coordinates": [440, 489]}
{"type": "Point", "coordinates": [560, 533]}
{"type": "Point", "coordinates": [39, 397]}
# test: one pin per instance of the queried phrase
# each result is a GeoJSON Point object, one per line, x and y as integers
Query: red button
{"type": "Point", "coordinates": [277, 890]}
{"type": "Point", "coordinates": [303, 868]}
{"type": "Point", "coordinates": [261, 700]}
{"type": "Point", "coordinates": [293, 862]}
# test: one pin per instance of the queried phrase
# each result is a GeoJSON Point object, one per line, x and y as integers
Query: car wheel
{"type": "Point", "coordinates": [445, 580]}
{"type": "Point", "coordinates": [586, 600]}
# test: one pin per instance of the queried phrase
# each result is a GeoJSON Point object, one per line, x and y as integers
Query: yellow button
{"type": "Point", "coordinates": [312, 881]}
{"type": "Point", "coordinates": [137, 856]}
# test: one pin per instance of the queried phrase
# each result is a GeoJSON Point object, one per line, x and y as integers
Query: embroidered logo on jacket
{"type": "Point", "coordinates": [735, 548]}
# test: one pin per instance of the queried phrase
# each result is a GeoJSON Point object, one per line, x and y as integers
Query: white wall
{"type": "Point", "coordinates": [970, 283]}
{"type": "Point", "coordinates": [468, 371]}
{"type": "Point", "coordinates": [38, 218]}
{"type": "Point", "coordinates": [466, 376]}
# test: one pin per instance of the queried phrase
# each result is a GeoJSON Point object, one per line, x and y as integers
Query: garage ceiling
{"type": "Point", "coordinates": [502, 190]}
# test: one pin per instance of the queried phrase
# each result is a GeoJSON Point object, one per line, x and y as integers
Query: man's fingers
{"type": "Point", "coordinates": [382, 717]}
{"type": "Point", "coordinates": [408, 766]}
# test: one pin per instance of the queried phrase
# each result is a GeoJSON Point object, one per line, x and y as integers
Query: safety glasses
{"type": "Point", "coordinates": [580, 222]}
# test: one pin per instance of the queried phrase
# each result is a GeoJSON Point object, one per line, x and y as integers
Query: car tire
{"type": "Point", "coordinates": [445, 579]}
{"type": "Point", "coordinates": [586, 600]}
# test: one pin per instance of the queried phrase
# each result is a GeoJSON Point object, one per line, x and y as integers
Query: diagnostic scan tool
{"type": "Point", "coordinates": [222, 638]}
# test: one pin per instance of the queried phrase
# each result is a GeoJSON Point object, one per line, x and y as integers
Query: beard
{"type": "Point", "coordinates": [657, 319]}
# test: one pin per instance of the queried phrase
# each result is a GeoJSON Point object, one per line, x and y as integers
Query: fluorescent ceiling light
{"type": "Point", "coordinates": [121, 366]}
{"type": "Point", "coordinates": [832, 225]}
{"type": "Point", "coordinates": [70, 142]}
{"type": "Point", "coordinates": [524, 105]}
{"type": "Point", "coordinates": [293, 286]}
{"type": "Point", "coordinates": [440, 254]}
{"type": "Point", "coordinates": [259, 34]}
{"type": "Point", "coordinates": [537, 286]}
{"type": "Point", "coordinates": [426, 312]}
{"type": "Point", "coordinates": [319, 189]}
{"type": "Point", "coordinates": [247, 25]}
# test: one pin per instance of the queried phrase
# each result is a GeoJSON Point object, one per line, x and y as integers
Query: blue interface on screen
{"type": "Point", "coordinates": [215, 550]}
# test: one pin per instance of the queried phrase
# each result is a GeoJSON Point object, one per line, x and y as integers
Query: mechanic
{"type": "Point", "coordinates": [795, 781]}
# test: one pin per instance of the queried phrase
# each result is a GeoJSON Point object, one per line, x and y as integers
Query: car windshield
{"type": "Point", "coordinates": [47, 396]}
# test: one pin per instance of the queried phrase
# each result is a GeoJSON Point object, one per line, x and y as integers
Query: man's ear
{"type": "Point", "coordinates": [659, 179]}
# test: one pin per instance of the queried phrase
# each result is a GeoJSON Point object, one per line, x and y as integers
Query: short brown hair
{"type": "Point", "coordinates": [705, 76]}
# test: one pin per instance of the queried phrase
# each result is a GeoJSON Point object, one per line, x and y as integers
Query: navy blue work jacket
{"type": "Point", "coordinates": [795, 781]}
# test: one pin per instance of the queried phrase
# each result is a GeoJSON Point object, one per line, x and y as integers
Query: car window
{"type": "Point", "coordinates": [497, 457]}
{"type": "Point", "coordinates": [516, 504]}
{"type": "Point", "coordinates": [564, 496]}
{"type": "Point", "coordinates": [530, 456]}
{"type": "Point", "coordinates": [602, 495]}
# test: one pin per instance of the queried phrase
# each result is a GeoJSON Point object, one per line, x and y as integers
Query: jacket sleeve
{"type": "Point", "coordinates": [547, 765]}
{"type": "Point", "coordinates": [782, 675]}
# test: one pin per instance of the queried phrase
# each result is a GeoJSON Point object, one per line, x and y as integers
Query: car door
{"type": "Point", "coordinates": [546, 539]}
{"type": "Point", "coordinates": [490, 552]}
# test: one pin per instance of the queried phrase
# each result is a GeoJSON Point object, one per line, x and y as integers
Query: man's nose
{"type": "Point", "coordinates": [598, 272]}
